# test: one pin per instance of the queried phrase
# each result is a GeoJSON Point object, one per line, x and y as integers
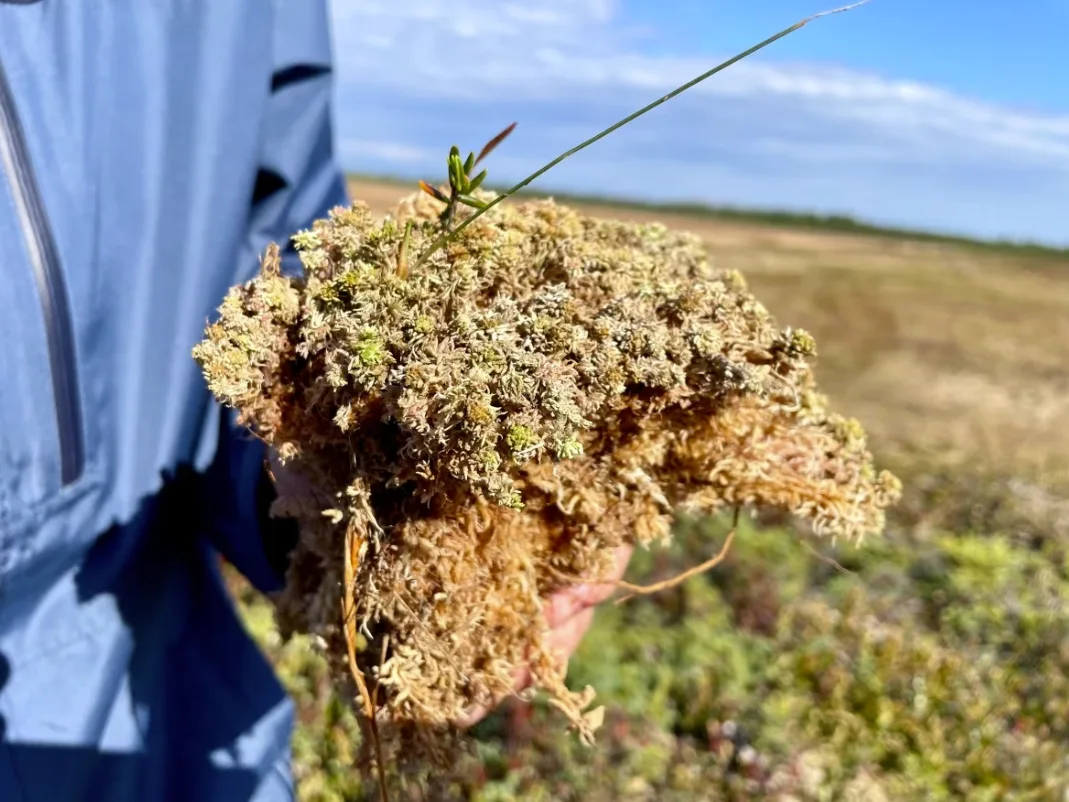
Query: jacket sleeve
{"type": "Point", "coordinates": [298, 182]}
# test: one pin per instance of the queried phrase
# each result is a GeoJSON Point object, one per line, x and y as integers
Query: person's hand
{"type": "Point", "coordinates": [569, 613]}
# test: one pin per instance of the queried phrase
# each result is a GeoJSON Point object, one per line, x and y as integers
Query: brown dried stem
{"type": "Point", "coordinates": [352, 550]}
{"type": "Point", "coordinates": [657, 587]}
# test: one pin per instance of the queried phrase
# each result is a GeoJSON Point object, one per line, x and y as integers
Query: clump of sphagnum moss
{"type": "Point", "coordinates": [488, 427]}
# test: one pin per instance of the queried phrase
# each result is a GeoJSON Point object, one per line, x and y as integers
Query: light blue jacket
{"type": "Point", "coordinates": [149, 151]}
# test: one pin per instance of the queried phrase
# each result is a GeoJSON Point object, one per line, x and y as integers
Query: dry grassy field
{"type": "Point", "coordinates": [933, 664]}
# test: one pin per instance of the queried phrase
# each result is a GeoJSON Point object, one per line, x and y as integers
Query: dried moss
{"type": "Point", "coordinates": [488, 428]}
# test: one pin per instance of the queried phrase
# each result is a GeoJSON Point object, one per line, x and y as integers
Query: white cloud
{"type": "Point", "coordinates": [354, 147]}
{"type": "Point", "coordinates": [421, 74]}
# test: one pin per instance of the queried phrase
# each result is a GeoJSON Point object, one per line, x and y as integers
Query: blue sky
{"type": "Point", "coordinates": [949, 115]}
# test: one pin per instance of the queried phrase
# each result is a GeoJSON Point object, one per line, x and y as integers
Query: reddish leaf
{"type": "Point", "coordinates": [493, 143]}
{"type": "Point", "coordinates": [434, 192]}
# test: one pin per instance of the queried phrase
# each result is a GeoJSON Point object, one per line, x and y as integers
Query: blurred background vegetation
{"type": "Point", "coordinates": [931, 663]}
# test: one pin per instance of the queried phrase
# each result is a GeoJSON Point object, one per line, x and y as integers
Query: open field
{"type": "Point", "coordinates": [933, 664]}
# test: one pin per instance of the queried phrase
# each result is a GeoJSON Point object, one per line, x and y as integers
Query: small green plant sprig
{"type": "Point", "coordinates": [461, 181]}
{"type": "Point", "coordinates": [462, 185]}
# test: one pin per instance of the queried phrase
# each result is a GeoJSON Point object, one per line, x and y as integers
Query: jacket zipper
{"type": "Point", "coordinates": [55, 305]}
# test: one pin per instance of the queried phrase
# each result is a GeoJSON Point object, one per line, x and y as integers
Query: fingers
{"type": "Point", "coordinates": [569, 614]}
{"type": "Point", "coordinates": [565, 639]}
{"type": "Point", "coordinates": [570, 602]}
{"type": "Point", "coordinates": [521, 678]}
{"type": "Point", "coordinates": [472, 717]}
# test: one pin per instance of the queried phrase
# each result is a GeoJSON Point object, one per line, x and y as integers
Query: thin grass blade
{"type": "Point", "coordinates": [448, 235]}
